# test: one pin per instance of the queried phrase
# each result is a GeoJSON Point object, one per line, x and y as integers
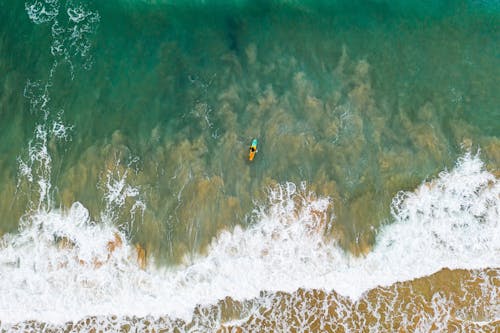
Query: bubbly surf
{"type": "Point", "coordinates": [449, 222]}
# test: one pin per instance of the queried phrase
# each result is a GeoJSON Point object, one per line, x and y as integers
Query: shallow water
{"type": "Point", "coordinates": [131, 120]}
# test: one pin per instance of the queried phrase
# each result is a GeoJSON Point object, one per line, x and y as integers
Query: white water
{"type": "Point", "coordinates": [451, 222]}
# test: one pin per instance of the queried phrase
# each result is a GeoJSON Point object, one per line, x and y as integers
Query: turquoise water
{"type": "Point", "coordinates": [127, 200]}
{"type": "Point", "coordinates": [359, 99]}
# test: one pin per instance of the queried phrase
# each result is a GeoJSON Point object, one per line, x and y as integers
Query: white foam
{"type": "Point", "coordinates": [42, 11]}
{"type": "Point", "coordinates": [71, 30]}
{"type": "Point", "coordinates": [60, 130]}
{"type": "Point", "coordinates": [116, 192]}
{"type": "Point", "coordinates": [77, 14]}
{"type": "Point", "coordinates": [450, 222]}
{"type": "Point", "coordinates": [70, 41]}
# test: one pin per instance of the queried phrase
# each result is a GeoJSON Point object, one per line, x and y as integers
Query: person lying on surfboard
{"type": "Point", "coordinates": [253, 150]}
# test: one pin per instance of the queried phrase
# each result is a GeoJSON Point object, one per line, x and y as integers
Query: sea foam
{"type": "Point", "coordinates": [62, 266]}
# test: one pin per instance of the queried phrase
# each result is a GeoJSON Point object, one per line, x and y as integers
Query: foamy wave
{"type": "Point", "coordinates": [42, 11]}
{"type": "Point", "coordinates": [71, 33]}
{"type": "Point", "coordinates": [116, 192]}
{"type": "Point", "coordinates": [69, 41]}
{"type": "Point", "coordinates": [61, 266]}
{"type": "Point", "coordinates": [452, 221]}
{"type": "Point", "coordinates": [60, 130]}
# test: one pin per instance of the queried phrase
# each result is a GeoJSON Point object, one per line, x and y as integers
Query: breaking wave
{"type": "Point", "coordinates": [62, 266]}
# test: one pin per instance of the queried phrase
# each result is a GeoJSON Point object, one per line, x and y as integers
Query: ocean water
{"type": "Point", "coordinates": [127, 201]}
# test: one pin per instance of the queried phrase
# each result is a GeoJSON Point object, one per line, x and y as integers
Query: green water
{"type": "Point", "coordinates": [360, 99]}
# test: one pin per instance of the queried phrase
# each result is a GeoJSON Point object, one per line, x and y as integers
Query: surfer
{"type": "Point", "coordinates": [253, 150]}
